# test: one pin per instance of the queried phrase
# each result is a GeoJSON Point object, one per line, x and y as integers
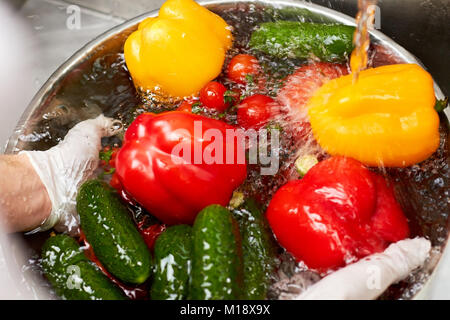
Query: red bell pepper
{"type": "Point", "coordinates": [339, 212]}
{"type": "Point", "coordinates": [175, 185]}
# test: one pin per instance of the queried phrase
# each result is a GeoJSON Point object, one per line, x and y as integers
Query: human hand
{"type": "Point", "coordinates": [63, 169]}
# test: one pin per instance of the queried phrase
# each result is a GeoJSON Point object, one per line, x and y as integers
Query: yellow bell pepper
{"type": "Point", "coordinates": [178, 52]}
{"type": "Point", "coordinates": [386, 118]}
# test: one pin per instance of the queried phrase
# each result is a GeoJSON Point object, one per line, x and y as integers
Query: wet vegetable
{"type": "Point", "coordinates": [217, 271]}
{"type": "Point", "coordinates": [338, 212]}
{"type": "Point", "coordinates": [172, 264]}
{"type": "Point", "coordinates": [212, 96]}
{"type": "Point", "coordinates": [178, 52]}
{"type": "Point", "coordinates": [387, 118]}
{"type": "Point", "coordinates": [302, 40]}
{"type": "Point", "coordinates": [74, 277]}
{"type": "Point", "coordinates": [167, 164]}
{"type": "Point", "coordinates": [242, 66]}
{"type": "Point", "coordinates": [112, 234]}
{"type": "Point", "coordinates": [258, 250]}
{"type": "Point", "coordinates": [187, 105]}
{"type": "Point", "coordinates": [255, 111]}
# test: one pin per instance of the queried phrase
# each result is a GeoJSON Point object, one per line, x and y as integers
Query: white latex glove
{"type": "Point", "coordinates": [371, 276]}
{"type": "Point", "coordinates": [65, 167]}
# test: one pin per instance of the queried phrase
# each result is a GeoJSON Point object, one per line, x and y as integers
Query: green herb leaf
{"type": "Point", "coordinates": [249, 78]}
{"type": "Point", "coordinates": [105, 155]}
{"type": "Point", "coordinates": [228, 96]}
{"type": "Point", "coordinates": [110, 171]}
{"type": "Point", "coordinates": [196, 108]}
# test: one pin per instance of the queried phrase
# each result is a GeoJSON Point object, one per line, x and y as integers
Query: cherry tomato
{"type": "Point", "coordinates": [212, 96]}
{"type": "Point", "coordinates": [240, 66]}
{"type": "Point", "coordinates": [186, 105]}
{"type": "Point", "coordinates": [255, 111]}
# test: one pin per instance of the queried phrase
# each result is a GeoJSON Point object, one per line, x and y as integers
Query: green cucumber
{"type": "Point", "coordinates": [72, 275]}
{"type": "Point", "coordinates": [217, 272]}
{"type": "Point", "coordinates": [258, 250]}
{"type": "Point", "coordinates": [172, 263]}
{"type": "Point", "coordinates": [303, 40]}
{"type": "Point", "coordinates": [112, 234]}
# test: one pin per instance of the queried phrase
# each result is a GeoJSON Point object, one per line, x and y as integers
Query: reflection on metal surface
{"type": "Point", "coordinates": [119, 8]}
{"type": "Point", "coordinates": [53, 40]}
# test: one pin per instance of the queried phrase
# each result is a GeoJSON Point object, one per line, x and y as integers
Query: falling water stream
{"type": "Point", "coordinates": [364, 23]}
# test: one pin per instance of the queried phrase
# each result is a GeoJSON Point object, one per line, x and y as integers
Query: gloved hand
{"type": "Point", "coordinates": [65, 167]}
{"type": "Point", "coordinates": [369, 277]}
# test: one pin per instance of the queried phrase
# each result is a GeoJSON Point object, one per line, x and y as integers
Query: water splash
{"type": "Point", "coordinates": [361, 39]}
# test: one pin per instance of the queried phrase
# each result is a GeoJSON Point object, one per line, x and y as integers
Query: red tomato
{"type": "Point", "coordinates": [255, 111]}
{"type": "Point", "coordinates": [212, 96]}
{"type": "Point", "coordinates": [240, 66]}
{"type": "Point", "coordinates": [186, 106]}
{"type": "Point", "coordinates": [339, 211]}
